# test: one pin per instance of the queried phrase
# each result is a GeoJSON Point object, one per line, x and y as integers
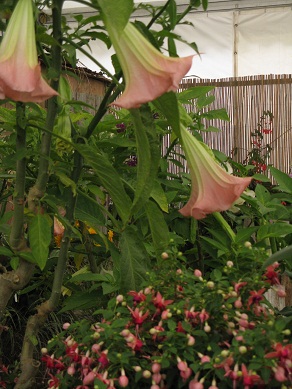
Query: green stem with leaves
{"type": "Point", "coordinates": [29, 365]}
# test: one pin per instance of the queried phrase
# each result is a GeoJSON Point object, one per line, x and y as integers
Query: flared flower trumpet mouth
{"type": "Point", "coordinates": [20, 72]}
{"type": "Point", "coordinates": [213, 189]}
{"type": "Point", "coordinates": [148, 73]}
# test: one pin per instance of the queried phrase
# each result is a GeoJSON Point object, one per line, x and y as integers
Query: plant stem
{"type": "Point", "coordinates": [17, 241]}
{"type": "Point", "coordinates": [28, 364]}
{"type": "Point", "coordinates": [38, 190]}
{"type": "Point", "coordinates": [224, 225]}
{"type": "Point", "coordinates": [14, 280]}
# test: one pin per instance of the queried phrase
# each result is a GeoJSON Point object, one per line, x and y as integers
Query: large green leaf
{"type": "Point", "coordinates": [148, 154]}
{"type": "Point", "coordinates": [274, 230]}
{"type": "Point", "coordinates": [282, 255]}
{"type": "Point", "coordinates": [168, 105]}
{"type": "Point", "coordinates": [116, 12]}
{"type": "Point", "coordinates": [159, 196]}
{"type": "Point", "coordinates": [109, 179]}
{"type": "Point", "coordinates": [284, 181]}
{"type": "Point", "coordinates": [40, 238]}
{"type": "Point", "coordinates": [134, 260]}
{"type": "Point", "coordinates": [193, 93]}
{"type": "Point", "coordinates": [244, 234]}
{"type": "Point", "coordinates": [158, 227]}
{"type": "Point", "coordinates": [88, 211]}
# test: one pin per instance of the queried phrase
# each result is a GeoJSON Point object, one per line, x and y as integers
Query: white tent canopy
{"type": "Point", "coordinates": [235, 38]}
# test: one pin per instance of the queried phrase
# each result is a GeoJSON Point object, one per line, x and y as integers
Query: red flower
{"type": "Point", "coordinates": [249, 379]}
{"type": "Point", "coordinates": [137, 296]}
{"type": "Point", "coordinates": [160, 303]}
{"type": "Point", "coordinates": [103, 360]}
{"type": "Point", "coordinates": [134, 343]}
{"type": "Point", "coordinates": [239, 285]}
{"type": "Point", "coordinates": [281, 352]}
{"type": "Point", "coordinates": [255, 297]}
{"type": "Point", "coordinates": [266, 131]}
{"type": "Point", "coordinates": [138, 316]}
{"type": "Point", "coordinates": [272, 275]}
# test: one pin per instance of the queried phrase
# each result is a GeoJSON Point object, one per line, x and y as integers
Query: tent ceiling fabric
{"type": "Point", "coordinates": [235, 38]}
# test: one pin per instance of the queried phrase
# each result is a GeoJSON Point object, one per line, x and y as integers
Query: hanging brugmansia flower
{"type": "Point", "coordinates": [148, 73]}
{"type": "Point", "coordinates": [20, 71]}
{"type": "Point", "coordinates": [213, 189]}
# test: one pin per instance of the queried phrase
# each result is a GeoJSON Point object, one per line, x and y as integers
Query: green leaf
{"type": "Point", "coordinates": [262, 194]}
{"type": "Point", "coordinates": [281, 255]}
{"type": "Point", "coordinates": [134, 261]}
{"type": "Point", "coordinates": [203, 101]}
{"type": "Point", "coordinates": [87, 277]}
{"type": "Point", "coordinates": [88, 211]}
{"type": "Point", "coordinates": [284, 181]}
{"type": "Point", "coordinates": [220, 114]}
{"type": "Point", "coordinates": [116, 13]}
{"type": "Point", "coordinates": [205, 4]}
{"type": "Point", "coordinates": [66, 181]}
{"type": "Point", "coordinates": [39, 238]}
{"type": "Point", "coordinates": [14, 262]}
{"type": "Point", "coordinates": [82, 300]}
{"type": "Point", "coordinates": [193, 93]}
{"type": "Point", "coordinates": [158, 227]}
{"type": "Point", "coordinates": [148, 155]}
{"type": "Point", "coordinates": [110, 179]}
{"type": "Point", "coordinates": [244, 234]}
{"type": "Point", "coordinates": [6, 252]}
{"type": "Point", "coordinates": [171, 9]}
{"type": "Point", "coordinates": [159, 196]}
{"type": "Point", "coordinates": [261, 177]}
{"type": "Point", "coordinates": [274, 230]}
{"type": "Point", "coordinates": [168, 105]}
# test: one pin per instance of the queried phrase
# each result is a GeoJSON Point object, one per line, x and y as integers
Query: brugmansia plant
{"type": "Point", "coordinates": [88, 205]}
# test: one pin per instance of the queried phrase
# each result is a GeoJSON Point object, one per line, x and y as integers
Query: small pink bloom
{"type": "Point", "coordinates": [280, 375]}
{"type": "Point", "coordinates": [123, 380]}
{"type": "Point", "coordinates": [89, 378]}
{"type": "Point", "coordinates": [213, 189]}
{"type": "Point", "coordinates": [156, 377]}
{"type": "Point", "coordinates": [197, 273]}
{"type": "Point", "coordinates": [156, 367]}
{"type": "Point", "coordinates": [181, 365]}
{"type": "Point", "coordinates": [185, 375]}
{"type": "Point", "coordinates": [20, 72]}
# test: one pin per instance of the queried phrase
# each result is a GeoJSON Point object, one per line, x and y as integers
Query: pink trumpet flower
{"type": "Point", "coordinates": [20, 71]}
{"type": "Point", "coordinates": [148, 73]}
{"type": "Point", "coordinates": [213, 189]}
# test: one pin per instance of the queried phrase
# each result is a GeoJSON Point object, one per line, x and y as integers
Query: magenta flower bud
{"type": "Point", "coordinates": [71, 370]}
{"type": "Point", "coordinates": [156, 377]}
{"type": "Point", "coordinates": [197, 273]}
{"type": "Point", "coordinates": [66, 326]}
{"type": "Point", "coordinates": [182, 366]}
{"type": "Point", "coordinates": [156, 367]}
{"type": "Point", "coordinates": [89, 378]}
{"type": "Point", "coordinates": [123, 380]}
{"type": "Point", "coordinates": [191, 341]}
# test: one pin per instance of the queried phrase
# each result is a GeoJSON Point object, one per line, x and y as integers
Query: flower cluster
{"type": "Point", "coordinates": [182, 330]}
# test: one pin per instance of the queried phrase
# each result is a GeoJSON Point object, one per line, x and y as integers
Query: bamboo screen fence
{"type": "Point", "coordinates": [246, 99]}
